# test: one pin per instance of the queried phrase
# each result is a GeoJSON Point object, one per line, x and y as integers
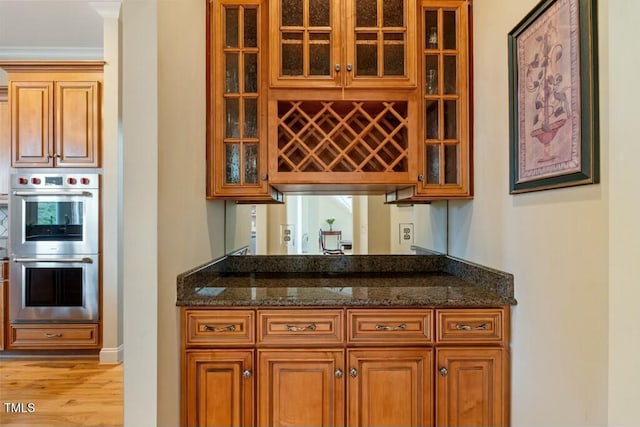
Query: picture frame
{"type": "Point", "coordinates": [553, 97]}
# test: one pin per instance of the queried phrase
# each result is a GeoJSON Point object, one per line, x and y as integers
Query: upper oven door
{"type": "Point", "coordinates": [56, 221]}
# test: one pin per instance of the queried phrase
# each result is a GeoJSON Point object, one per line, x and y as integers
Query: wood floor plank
{"type": "Point", "coordinates": [63, 393]}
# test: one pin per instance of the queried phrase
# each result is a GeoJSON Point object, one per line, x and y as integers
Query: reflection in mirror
{"type": "Point", "coordinates": [338, 224]}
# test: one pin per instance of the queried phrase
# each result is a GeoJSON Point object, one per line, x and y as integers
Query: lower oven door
{"type": "Point", "coordinates": [54, 289]}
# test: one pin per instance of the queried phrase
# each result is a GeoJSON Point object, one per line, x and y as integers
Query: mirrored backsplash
{"type": "Point", "coordinates": [349, 225]}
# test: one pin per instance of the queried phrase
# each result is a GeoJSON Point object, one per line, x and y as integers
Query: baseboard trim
{"type": "Point", "coordinates": [112, 355]}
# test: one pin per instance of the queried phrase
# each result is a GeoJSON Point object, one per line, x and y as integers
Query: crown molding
{"type": "Point", "coordinates": [44, 53]}
{"type": "Point", "coordinates": [107, 9]}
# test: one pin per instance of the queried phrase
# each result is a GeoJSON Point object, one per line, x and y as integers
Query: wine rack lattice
{"type": "Point", "coordinates": [342, 136]}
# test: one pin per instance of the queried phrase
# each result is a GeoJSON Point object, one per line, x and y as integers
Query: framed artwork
{"type": "Point", "coordinates": [553, 97]}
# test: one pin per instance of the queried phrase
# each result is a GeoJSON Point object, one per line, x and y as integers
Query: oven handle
{"type": "Point", "coordinates": [69, 260]}
{"type": "Point", "coordinates": [61, 193]}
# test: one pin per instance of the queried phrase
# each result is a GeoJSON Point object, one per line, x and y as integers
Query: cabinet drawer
{"type": "Point", "coordinates": [400, 326]}
{"type": "Point", "coordinates": [472, 325]}
{"type": "Point", "coordinates": [206, 328]}
{"type": "Point", "coordinates": [54, 337]}
{"type": "Point", "coordinates": [308, 327]}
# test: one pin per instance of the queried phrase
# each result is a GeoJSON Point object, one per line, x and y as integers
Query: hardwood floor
{"type": "Point", "coordinates": [62, 393]}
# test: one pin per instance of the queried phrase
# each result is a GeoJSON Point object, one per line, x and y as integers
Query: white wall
{"type": "Point", "coordinates": [190, 229]}
{"type": "Point", "coordinates": [624, 237]}
{"type": "Point", "coordinates": [139, 211]}
{"type": "Point", "coordinates": [554, 242]}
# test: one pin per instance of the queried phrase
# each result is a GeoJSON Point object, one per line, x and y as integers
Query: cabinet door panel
{"type": "Point", "coordinates": [305, 43]}
{"type": "Point", "coordinates": [236, 101]}
{"type": "Point", "coordinates": [390, 387]}
{"type": "Point", "coordinates": [77, 123]}
{"type": "Point", "coordinates": [301, 388]}
{"type": "Point", "coordinates": [445, 152]}
{"type": "Point", "coordinates": [219, 388]}
{"type": "Point", "coordinates": [32, 123]}
{"type": "Point", "coordinates": [471, 387]}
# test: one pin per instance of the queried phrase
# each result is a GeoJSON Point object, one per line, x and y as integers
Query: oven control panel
{"type": "Point", "coordinates": [56, 181]}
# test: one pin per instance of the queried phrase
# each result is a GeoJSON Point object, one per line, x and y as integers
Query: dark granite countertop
{"type": "Point", "coordinates": [349, 280]}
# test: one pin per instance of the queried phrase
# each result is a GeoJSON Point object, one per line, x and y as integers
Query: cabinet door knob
{"type": "Point", "coordinates": [338, 373]}
{"type": "Point", "coordinates": [353, 372]}
{"type": "Point", "coordinates": [337, 68]}
{"type": "Point", "coordinates": [443, 371]}
{"type": "Point", "coordinates": [246, 373]}
{"type": "Point", "coordinates": [349, 67]}
{"type": "Point", "coordinates": [421, 178]}
{"type": "Point", "coordinates": [264, 176]}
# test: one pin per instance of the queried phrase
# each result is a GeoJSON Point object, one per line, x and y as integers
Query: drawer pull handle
{"type": "Point", "coordinates": [309, 327]}
{"type": "Point", "coordinates": [400, 327]}
{"type": "Point", "coordinates": [480, 327]}
{"type": "Point", "coordinates": [50, 335]}
{"type": "Point", "coordinates": [229, 328]}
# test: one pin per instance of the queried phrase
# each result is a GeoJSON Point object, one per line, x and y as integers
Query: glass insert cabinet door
{"type": "Point", "coordinates": [236, 100]}
{"type": "Point", "coordinates": [334, 43]}
{"type": "Point", "coordinates": [445, 147]}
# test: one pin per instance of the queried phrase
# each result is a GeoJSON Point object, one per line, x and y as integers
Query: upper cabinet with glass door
{"type": "Point", "coordinates": [445, 144]}
{"type": "Point", "coordinates": [336, 43]}
{"type": "Point", "coordinates": [236, 103]}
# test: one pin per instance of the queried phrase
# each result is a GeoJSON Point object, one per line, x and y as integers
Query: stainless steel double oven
{"type": "Point", "coordinates": [54, 243]}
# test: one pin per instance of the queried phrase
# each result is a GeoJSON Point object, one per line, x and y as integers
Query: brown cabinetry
{"type": "Point", "coordinates": [57, 336]}
{"type": "Point", "coordinates": [365, 96]}
{"type": "Point", "coordinates": [219, 388]}
{"type": "Point", "coordinates": [354, 43]}
{"type": "Point", "coordinates": [337, 367]}
{"type": "Point", "coordinates": [390, 387]}
{"type": "Point", "coordinates": [4, 287]}
{"type": "Point", "coordinates": [236, 102]}
{"type": "Point", "coordinates": [5, 143]}
{"type": "Point", "coordinates": [55, 111]}
{"type": "Point", "coordinates": [300, 387]}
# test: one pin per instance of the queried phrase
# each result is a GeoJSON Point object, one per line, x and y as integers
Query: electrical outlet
{"type": "Point", "coordinates": [287, 234]}
{"type": "Point", "coordinates": [406, 234]}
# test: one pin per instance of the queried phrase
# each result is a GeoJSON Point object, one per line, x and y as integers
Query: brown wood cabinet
{"type": "Point", "coordinates": [300, 387]}
{"type": "Point", "coordinates": [220, 388]}
{"type": "Point", "coordinates": [390, 387]}
{"type": "Point", "coordinates": [361, 96]}
{"type": "Point", "coordinates": [353, 43]}
{"type": "Point", "coordinates": [55, 113]}
{"type": "Point", "coordinates": [237, 102]}
{"type": "Point", "coordinates": [55, 336]}
{"type": "Point", "coordinates": [4, 308]}
{"type": "Point", "coordinates": [5, 142]}
{"type": "Point", "coordinates": [472, 386]}
{"type": "Point", "coordinates": [346, 367]}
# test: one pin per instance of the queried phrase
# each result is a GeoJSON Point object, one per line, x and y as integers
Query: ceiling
{"type": "Point", "coordinates": [50, 29]}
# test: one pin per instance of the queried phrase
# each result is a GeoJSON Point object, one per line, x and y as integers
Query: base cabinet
{"type": "Point", "coordinates": [471, 387]}
{"type": "Point", "coordinates": [390, 387]}
{"type": "Point", "coordinates": [300, 388]}
{"type": "Point", "coordinates": [391, 367]}
{"type": "Point", "coordinates": [220, 388]}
